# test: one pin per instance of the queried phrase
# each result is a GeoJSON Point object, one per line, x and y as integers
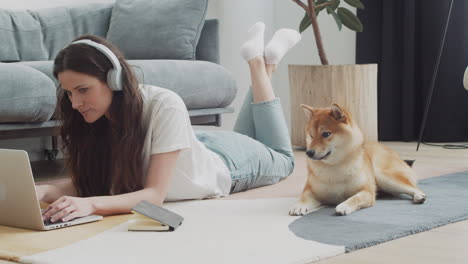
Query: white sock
{"type": "Point", "coordinates": [282, 41]}
{"type": "Point", "coordinates": [253, 47]}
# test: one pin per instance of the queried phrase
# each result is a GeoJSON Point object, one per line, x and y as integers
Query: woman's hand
{"type": "Point", "coordinates": [68, 208]}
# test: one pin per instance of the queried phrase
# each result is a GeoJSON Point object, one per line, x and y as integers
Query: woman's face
{"type": "Point", "coordinates": [87, 94]}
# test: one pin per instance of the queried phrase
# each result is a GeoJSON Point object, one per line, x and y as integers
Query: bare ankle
{"type": "Point", "coordinates": [270, 68]}
{"type": "Point", "coordinates": [257, 60]}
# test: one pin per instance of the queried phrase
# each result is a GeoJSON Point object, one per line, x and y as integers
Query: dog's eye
{"type": "Point", "coordinates": [326, 134]}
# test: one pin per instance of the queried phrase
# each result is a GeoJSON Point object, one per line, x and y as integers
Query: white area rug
{"type": "Point", "coordinates": [214, 231]}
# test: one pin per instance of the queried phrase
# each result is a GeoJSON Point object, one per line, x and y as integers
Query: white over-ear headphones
{"type": "Point", "coordinates": [114, 76]}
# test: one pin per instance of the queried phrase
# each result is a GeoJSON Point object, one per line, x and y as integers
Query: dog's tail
{"type": "Point", "coordinates": [409, 162]}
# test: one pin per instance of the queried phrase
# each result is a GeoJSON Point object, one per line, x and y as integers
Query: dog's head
{"type": "Point", "coordinates": [330, 133]}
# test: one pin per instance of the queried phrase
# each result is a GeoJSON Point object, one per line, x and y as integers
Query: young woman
{"type": "Point", "coordinates": [126, 142]}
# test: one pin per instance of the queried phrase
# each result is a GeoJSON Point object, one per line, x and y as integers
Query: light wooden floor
{"type": "Point", "coordinates": [446, 244]}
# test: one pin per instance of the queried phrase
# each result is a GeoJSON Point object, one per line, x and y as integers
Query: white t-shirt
{"type": "Point", "coordinates": [199, 173]}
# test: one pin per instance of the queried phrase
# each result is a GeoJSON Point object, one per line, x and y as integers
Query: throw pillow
{"type": "Point", "coordinates": [37, 35]}
{"type": "Point", "coordinates": [163, 29]}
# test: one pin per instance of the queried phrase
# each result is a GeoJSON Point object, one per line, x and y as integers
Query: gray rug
{"type": "Point", "coordinates": [390, 217]}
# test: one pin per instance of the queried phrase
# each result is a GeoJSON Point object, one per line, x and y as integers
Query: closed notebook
{"type": "Point", "coordinates": [150, 217]}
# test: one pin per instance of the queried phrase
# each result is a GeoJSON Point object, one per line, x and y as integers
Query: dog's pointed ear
{"type": "Point", "coordinates": [308, 111]}
{"type": "Point", "coordinates": [337, 112]}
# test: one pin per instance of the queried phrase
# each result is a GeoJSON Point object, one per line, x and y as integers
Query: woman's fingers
{"type": "Point", "coordinates": [61, 214]}
{"type": "Point", "coordinates": [55, 207]}
{"type": "Point", "coordinates": [67, 208]}
{"type": "Point", "coordinates": [71, 216]}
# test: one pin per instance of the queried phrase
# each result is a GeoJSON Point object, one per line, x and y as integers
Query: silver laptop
{"type": "Point", "coordinates": [19, 206]}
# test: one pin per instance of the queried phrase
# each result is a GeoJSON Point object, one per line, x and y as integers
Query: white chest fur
{"type": "Point", "coordinates": [334, 184]}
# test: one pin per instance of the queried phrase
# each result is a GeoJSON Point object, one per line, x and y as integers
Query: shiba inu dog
{"type": "Point", "coordinates": [346, 170]}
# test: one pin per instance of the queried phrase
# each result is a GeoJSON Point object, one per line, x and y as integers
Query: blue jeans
{"type": "Point", "coordinates": [258, 152]}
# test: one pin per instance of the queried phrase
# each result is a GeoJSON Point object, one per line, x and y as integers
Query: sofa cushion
{"type": "Point", "coordinates": [46, 67]}
{"type": "Point", "coordinates": [30, 35]}
{"type": "Point", "coordinates": [167, 29]}
{"type": "Point", "coordinates": [26, 94]}
{"type": "Point", "coordinates": [201, 84]}
{"type": "Point", "coordinates": [204, 84]}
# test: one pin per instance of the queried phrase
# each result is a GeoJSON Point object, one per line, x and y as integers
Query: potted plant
{"type": "Point", "coordinates": [352, 86]}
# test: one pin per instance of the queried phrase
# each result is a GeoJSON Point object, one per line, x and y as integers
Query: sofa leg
{"type": "Point", "coordinates": [218, 120]}
{"type": "Point", "coordinates": [51, 154]}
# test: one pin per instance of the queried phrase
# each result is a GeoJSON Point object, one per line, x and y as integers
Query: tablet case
{"type": "Point", "coordinates": [159, 214]}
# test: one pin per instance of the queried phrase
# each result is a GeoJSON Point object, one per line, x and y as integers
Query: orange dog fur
{"type": "Point", "coordinates": [346, 170]}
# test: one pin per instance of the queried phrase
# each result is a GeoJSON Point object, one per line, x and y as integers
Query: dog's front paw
{"type": "Point", "coordinates": [302, 208]}
{"type": "Point", "coordinates": [343, 209]}
{"type": "Point", "coordinates": [419, 198]}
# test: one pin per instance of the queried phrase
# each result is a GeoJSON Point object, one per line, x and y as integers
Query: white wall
{"type": "Point", "coordinates": [339, 45]}
{"type": "Point", "coordinates": [236, 17]}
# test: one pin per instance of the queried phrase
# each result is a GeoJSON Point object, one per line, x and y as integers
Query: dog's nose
{"type": "Point", "coordinates": [310, 153]}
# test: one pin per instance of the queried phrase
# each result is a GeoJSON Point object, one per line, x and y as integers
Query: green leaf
{"type": "Point", "coordinates": [334, 5]}
{"type": "Point", "coordinates": [305, 23]}
{"type": "Point", "coordinates": [319, 2]}
{"type": "Point", "coordinates": [355, 3]}
{"type": "Point", "coordinates": [318, 9]}
{"type": "Point", "coordinates": [350, 20]}
{"type": "Point", "coordinates": [335, 16]}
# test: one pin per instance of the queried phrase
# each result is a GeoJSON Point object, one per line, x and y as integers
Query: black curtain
{"type": "Point", "coordinates": [403, 37]}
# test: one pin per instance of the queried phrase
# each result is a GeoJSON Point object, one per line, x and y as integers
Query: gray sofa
{"type": "Point", "coordinates": [175, 50]}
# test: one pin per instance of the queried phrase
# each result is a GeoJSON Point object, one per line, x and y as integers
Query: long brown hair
{"type": "Point", "coordinates": [104, 157]}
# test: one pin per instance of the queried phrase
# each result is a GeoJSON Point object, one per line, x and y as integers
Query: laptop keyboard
{"type": "Point", "coordinates": [59, 221]}
{"type": "Point", "coordinates": [48, 222]}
